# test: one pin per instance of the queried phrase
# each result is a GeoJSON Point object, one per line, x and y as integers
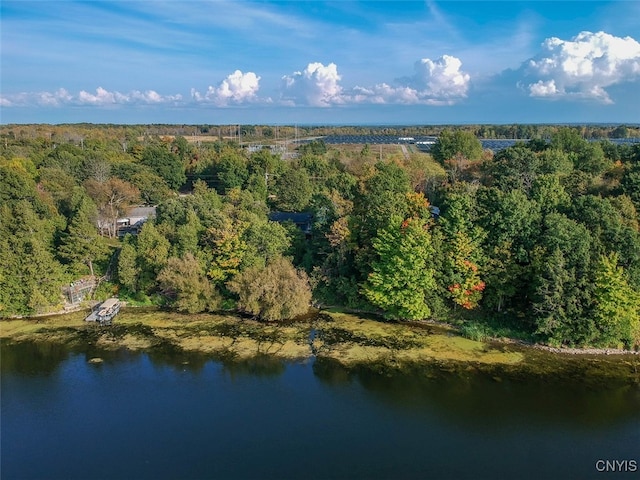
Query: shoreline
{"type": "Point", "coordinates": [366, 316]}
{"type": "Point", "coordinates": [354, 343]}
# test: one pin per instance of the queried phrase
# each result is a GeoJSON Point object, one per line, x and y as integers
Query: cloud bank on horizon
{"type": "Point", "coordinates": [585, 68]}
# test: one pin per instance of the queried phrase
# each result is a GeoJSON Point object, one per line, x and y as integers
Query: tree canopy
{"type": "Point", "coordinates": [541, 238]}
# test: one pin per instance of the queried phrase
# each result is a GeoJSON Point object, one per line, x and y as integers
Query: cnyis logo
{"type": "Point", "coordinates": [617, 466]}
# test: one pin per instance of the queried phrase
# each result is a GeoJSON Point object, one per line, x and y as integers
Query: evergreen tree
{"type": "Point", "coordinates": [81, 243]}
{"type": "Point", "coordinates": [152, 255]}
{"type": "Point", "coordinates": [128, 270]}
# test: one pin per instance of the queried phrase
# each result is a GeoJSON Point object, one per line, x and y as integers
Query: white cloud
{"type": "Point", "coordinates": [441, 79]}
{"type": "Point", "coordinates": [582, 67]}
{"type": "Point", "coordinates": [237, 88]}
{"type": "Point", "coordinates": [383, 93]}
{"type": "Point", "coordinates": [439, 82]}
{"type": "Point", "coordinates": [102, 97]}
{"type": "Point", "coordinates": [56, 98]}
{"type": "Point", "coordinates": [105, 97]}
{"type": "Point", "coordinates": [317, 85]}
{"type": "Point", "coordinates": [543, 89]}
{"type": "Point", "coordinates": [435, 82]}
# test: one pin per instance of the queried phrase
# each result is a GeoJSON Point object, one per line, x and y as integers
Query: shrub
{"type": "Point", "coordinates": [275, 292]}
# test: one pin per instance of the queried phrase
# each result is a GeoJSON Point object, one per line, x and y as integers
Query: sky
{"type": "Point", "coordinates": [314, 62]}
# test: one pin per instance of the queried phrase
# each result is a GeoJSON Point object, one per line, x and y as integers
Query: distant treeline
{"type": "Point", "coordinates": [541, 239]}
{"type": "Point", "coordinates": [290, 132]}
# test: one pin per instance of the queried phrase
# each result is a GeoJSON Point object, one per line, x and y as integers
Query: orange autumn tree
{"type": "Point", "coordinates": [467, 286]}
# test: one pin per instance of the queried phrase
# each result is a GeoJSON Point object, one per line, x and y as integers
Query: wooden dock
{"type": "Point", "coordinates": [105, 312]}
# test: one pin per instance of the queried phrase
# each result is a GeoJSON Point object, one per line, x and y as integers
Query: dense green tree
{"type": "Point", "coordinates": [68, 158]}
{"type": "Point", "coordinates": [181, 147]}
{"type": "Point", "coordinates": [81, 244]}
{"type": "Point", "coordinates": [128, 270]}
{"type": "Point", "coordinates": [264, 162]}
{"type": "Point", "coordinates": [187, 235]}
{"type": "Point", "coordinates": [153, 188]}
{"type": "Point", "coordinates": [451, 143]}
{"type": "Point", "coordinates": [631, 184]}
{"type": "Point", "coordinates": [515, 167]}
{"type": "Point", "coordinates": [383, 196]}
{"type": "Point", "coordinates": [265, 241]}
{"type": "Point", "coordinates": [183, 281]}
{"type": "Point", "coordinates": [568, 140]}
{"type": "Point", "coordinates": [459, 211]}
{"type": "Point", "coordinates": [591, 159]}
{"type": "Point", "coordinates": [547, 191]}
{"type": "Point", "coordinates": [608, 231]}
{"type": "Point", "coordinates": [315, 147]}
{"type": "Point", "coordinates": [152, 254]}
{"type": "Point", "coordinates": [621, 131]}
{"type": "Point", "coordinates": [63, 188]}
{"type": "Point", "coordinates": [293, 190]}
{"type": "Point", "coordinates": [554, 304]}
{"type": "Point", "coordinates": [230, 172]}
{"type": "Point", "coordinates": [616, 311]}
{"type": "Point", "coordinates": [505, 278]}
{"type": "Point", "coordinates": [401, 278]}
{"type": "Point", "coordinates": [556, 161]}
{"type": "Point", "coordinates": [561, 286]}
{"type": "Point", "coordinates": [511, 218]}
{"type": "Point", "coordinates": [166, 164]}
{"type": "Point", "coordinates": [30, 276]}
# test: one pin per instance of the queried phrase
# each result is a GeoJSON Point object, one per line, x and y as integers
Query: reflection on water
{"type": "Point", "coordinates": [182, 415]}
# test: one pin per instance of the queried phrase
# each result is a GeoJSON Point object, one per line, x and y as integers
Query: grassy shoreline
{"type": "Point", "coordinates": [348, 340]}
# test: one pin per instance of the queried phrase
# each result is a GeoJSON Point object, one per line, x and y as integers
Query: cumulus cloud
{"type": "Point", "coordinates": [441, 79]}
{"type": "Point", "coordinates": [439, 82]}
{"type": "Point", "coordinates": [582, 67]}
{"type": "Point", "coordinates": [384, 93]}
{"type": "Point", "coordinates": [317, 85]}
{"type": "Point", "coordinates": [101, 97]}
{"type": "Point", "coordinates": [435, 82]}
{"type": "Point", "coordinates": [237, 88]}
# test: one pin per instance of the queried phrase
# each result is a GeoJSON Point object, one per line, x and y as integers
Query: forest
{"type": "Point", "coordinates": [539, 241]}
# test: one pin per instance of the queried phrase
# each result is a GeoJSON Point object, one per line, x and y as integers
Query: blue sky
{"type": "Point", "coordinates": [312, 62]}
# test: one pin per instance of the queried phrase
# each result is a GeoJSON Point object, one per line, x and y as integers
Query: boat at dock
{"type": "Point", "coordinates": [105, 312]}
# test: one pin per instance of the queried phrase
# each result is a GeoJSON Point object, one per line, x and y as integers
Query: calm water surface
{"type": "Point", "coordinates": [138, 416]}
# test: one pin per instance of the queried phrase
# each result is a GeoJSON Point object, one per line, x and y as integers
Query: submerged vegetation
{"type": "Point", "coordinates": [351, 342]}
{"type": "Point", "coordinates": [540, 241]}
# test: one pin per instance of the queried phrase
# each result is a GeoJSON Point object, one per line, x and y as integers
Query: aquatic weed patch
{"type": "Point", "coordinates": [336, 335]}
{"type": "Point", "coordinates": [351, 341]}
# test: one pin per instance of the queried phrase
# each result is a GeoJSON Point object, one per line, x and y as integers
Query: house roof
{"type": "Point", "coordinates": [141, 211]}
{"type": "Point", "coordinates": [109, 302]}
{"type": "Point", "coordinates": [303, 217]}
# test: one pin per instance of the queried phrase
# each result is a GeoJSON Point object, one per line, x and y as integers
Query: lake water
{"type": "Point", "coordinates": [139, 416]}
